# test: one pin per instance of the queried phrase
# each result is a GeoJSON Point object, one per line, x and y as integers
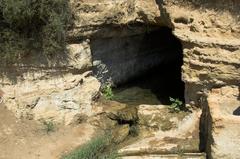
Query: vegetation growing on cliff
{"type": "Point", "coordinates": [32, 26]}
{"type": "Point", "coordinates": [48, 126]}
{"type": "Point", "coordinates": [176, 105]}
{"type": "Point", "coordinates": [107, 92]}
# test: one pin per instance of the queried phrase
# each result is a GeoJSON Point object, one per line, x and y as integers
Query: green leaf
{"type": "Point", "coordinates": [171, 99]}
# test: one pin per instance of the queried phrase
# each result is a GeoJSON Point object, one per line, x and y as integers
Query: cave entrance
{"type": "Point", "coordinates": [145, 69]}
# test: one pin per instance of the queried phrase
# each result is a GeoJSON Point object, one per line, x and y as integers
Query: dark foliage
{"type": "Point", "coordinates": [28, 26]}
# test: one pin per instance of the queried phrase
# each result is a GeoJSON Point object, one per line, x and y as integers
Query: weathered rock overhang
{"type": "Point", "coordinates": [119, 59]}
{"type": "Point", "coordinates": [154, 57]}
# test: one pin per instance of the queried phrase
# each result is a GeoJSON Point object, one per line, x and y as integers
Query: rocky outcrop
{"type": "Point", "coordinates": [118, 40]}
{"type": "Point", "coordinates": [43, 79]}
{"type": "Point", "coordinates": [210, 45]}
{"type": "Point", "coordinates": [50, 90]}
{"type": "Point", "coordinates": [57, 99]}
{"type": "Point", "coordinates": [224, 111]}
{"type": "Point", "coordinates": [164, 134]}
{"type": "Point", "coordinates": [61, 90]}
{"type": "Point", "coordinates": [155, 129]}
{"type": "Point", "coordinates": [209, 33]}
{"type": "Point", "coordinates": [106, 18]}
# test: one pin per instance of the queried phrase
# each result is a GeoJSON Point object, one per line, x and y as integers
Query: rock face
{"type": "Point", "coordinates": [107, 18]}
{"type": "Point", "coordinates": [180, 137]}
{"type": "Point", "coordinates": [211, 50]}
{"type": "Point", "coordinates": [59, 99]}
{"type": "Point", "coordinates": [210, 45]}
{"type": "Point", "coordinates": [224, 109]}
{"type": "Point", "coordinates": [119, 40]}
{"type": "Point", "coordinates": [61, 90]}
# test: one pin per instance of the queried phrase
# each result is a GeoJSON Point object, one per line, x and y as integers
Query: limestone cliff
{"type": "Point", "coordinates": [111, 38]}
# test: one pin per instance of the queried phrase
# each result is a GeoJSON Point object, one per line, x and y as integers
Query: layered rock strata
{"type": "Point", "coordinates": [60, 88]}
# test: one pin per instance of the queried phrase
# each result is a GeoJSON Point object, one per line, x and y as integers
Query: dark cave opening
{"type": "Point", "coordinates": [151, 61]}
{"type": "Point", "coordinates": [163, 79]}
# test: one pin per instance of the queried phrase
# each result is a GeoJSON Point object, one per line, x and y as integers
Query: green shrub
{"type": "Point", "coordinates": [32, 25]}
{"type": "Point", "coordinates": [107, 92]}
{"type": "Point", "coordinates": [176, 105]}
{"type": "Point", "coordinates": [48, 126]}
{"type": "Point", "coordinates": [94, 149]}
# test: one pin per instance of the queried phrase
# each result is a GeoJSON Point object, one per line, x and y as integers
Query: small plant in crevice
{"type": "Point", "coordinates": [180, 151]}
{"type": "Point", "coordinates": [107, 92]}
{"type": "Point", "coordinates": [97, 148]}
{"type": "Point", "coordinates": [49, 126]}
{"type": "Point", "coordinates": [176, 105]}
{"type": "Point", "coordinates": [134, 130]}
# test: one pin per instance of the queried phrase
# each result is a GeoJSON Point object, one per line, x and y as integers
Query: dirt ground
{"type": "Point", "coordinates": [26, 139]}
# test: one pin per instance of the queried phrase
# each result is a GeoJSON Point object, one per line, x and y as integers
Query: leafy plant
{"type": "Point", "coordinates": [49, 126]}
{"type": "Point", "coordinates": [107, 92]}
{"type": "Point", "coordinates": [94, 149]}
{"type": "Point", "coordinates": [176, 105]}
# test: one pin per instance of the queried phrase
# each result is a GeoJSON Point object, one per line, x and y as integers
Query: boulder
{"type": "Point", "coordinates": [125, 115]}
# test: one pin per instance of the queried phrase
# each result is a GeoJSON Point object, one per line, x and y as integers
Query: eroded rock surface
{"type": "Point", "coordinates": [158, 117]}
{"type": "Point", "coordinates": [183, 138]}
{"type": "Point", "coordinates": [107, 18]}
{"type": "Point", "coordinates": [224, 109]}
{"type": "Point", "coordinates": [59, 99]}
{"type": "Point", "coordinates": [209, 33]}
{"type": "Point", "coordinates": [59, 89]}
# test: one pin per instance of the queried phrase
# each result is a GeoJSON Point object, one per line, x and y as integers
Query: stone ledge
{"type": "Point", "coordinates": [169, 156]}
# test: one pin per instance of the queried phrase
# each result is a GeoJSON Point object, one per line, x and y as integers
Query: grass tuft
{"type": "Point", "coordinates": [97, 148]}
{"type": "Point", "coordinates": [49, 126]}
